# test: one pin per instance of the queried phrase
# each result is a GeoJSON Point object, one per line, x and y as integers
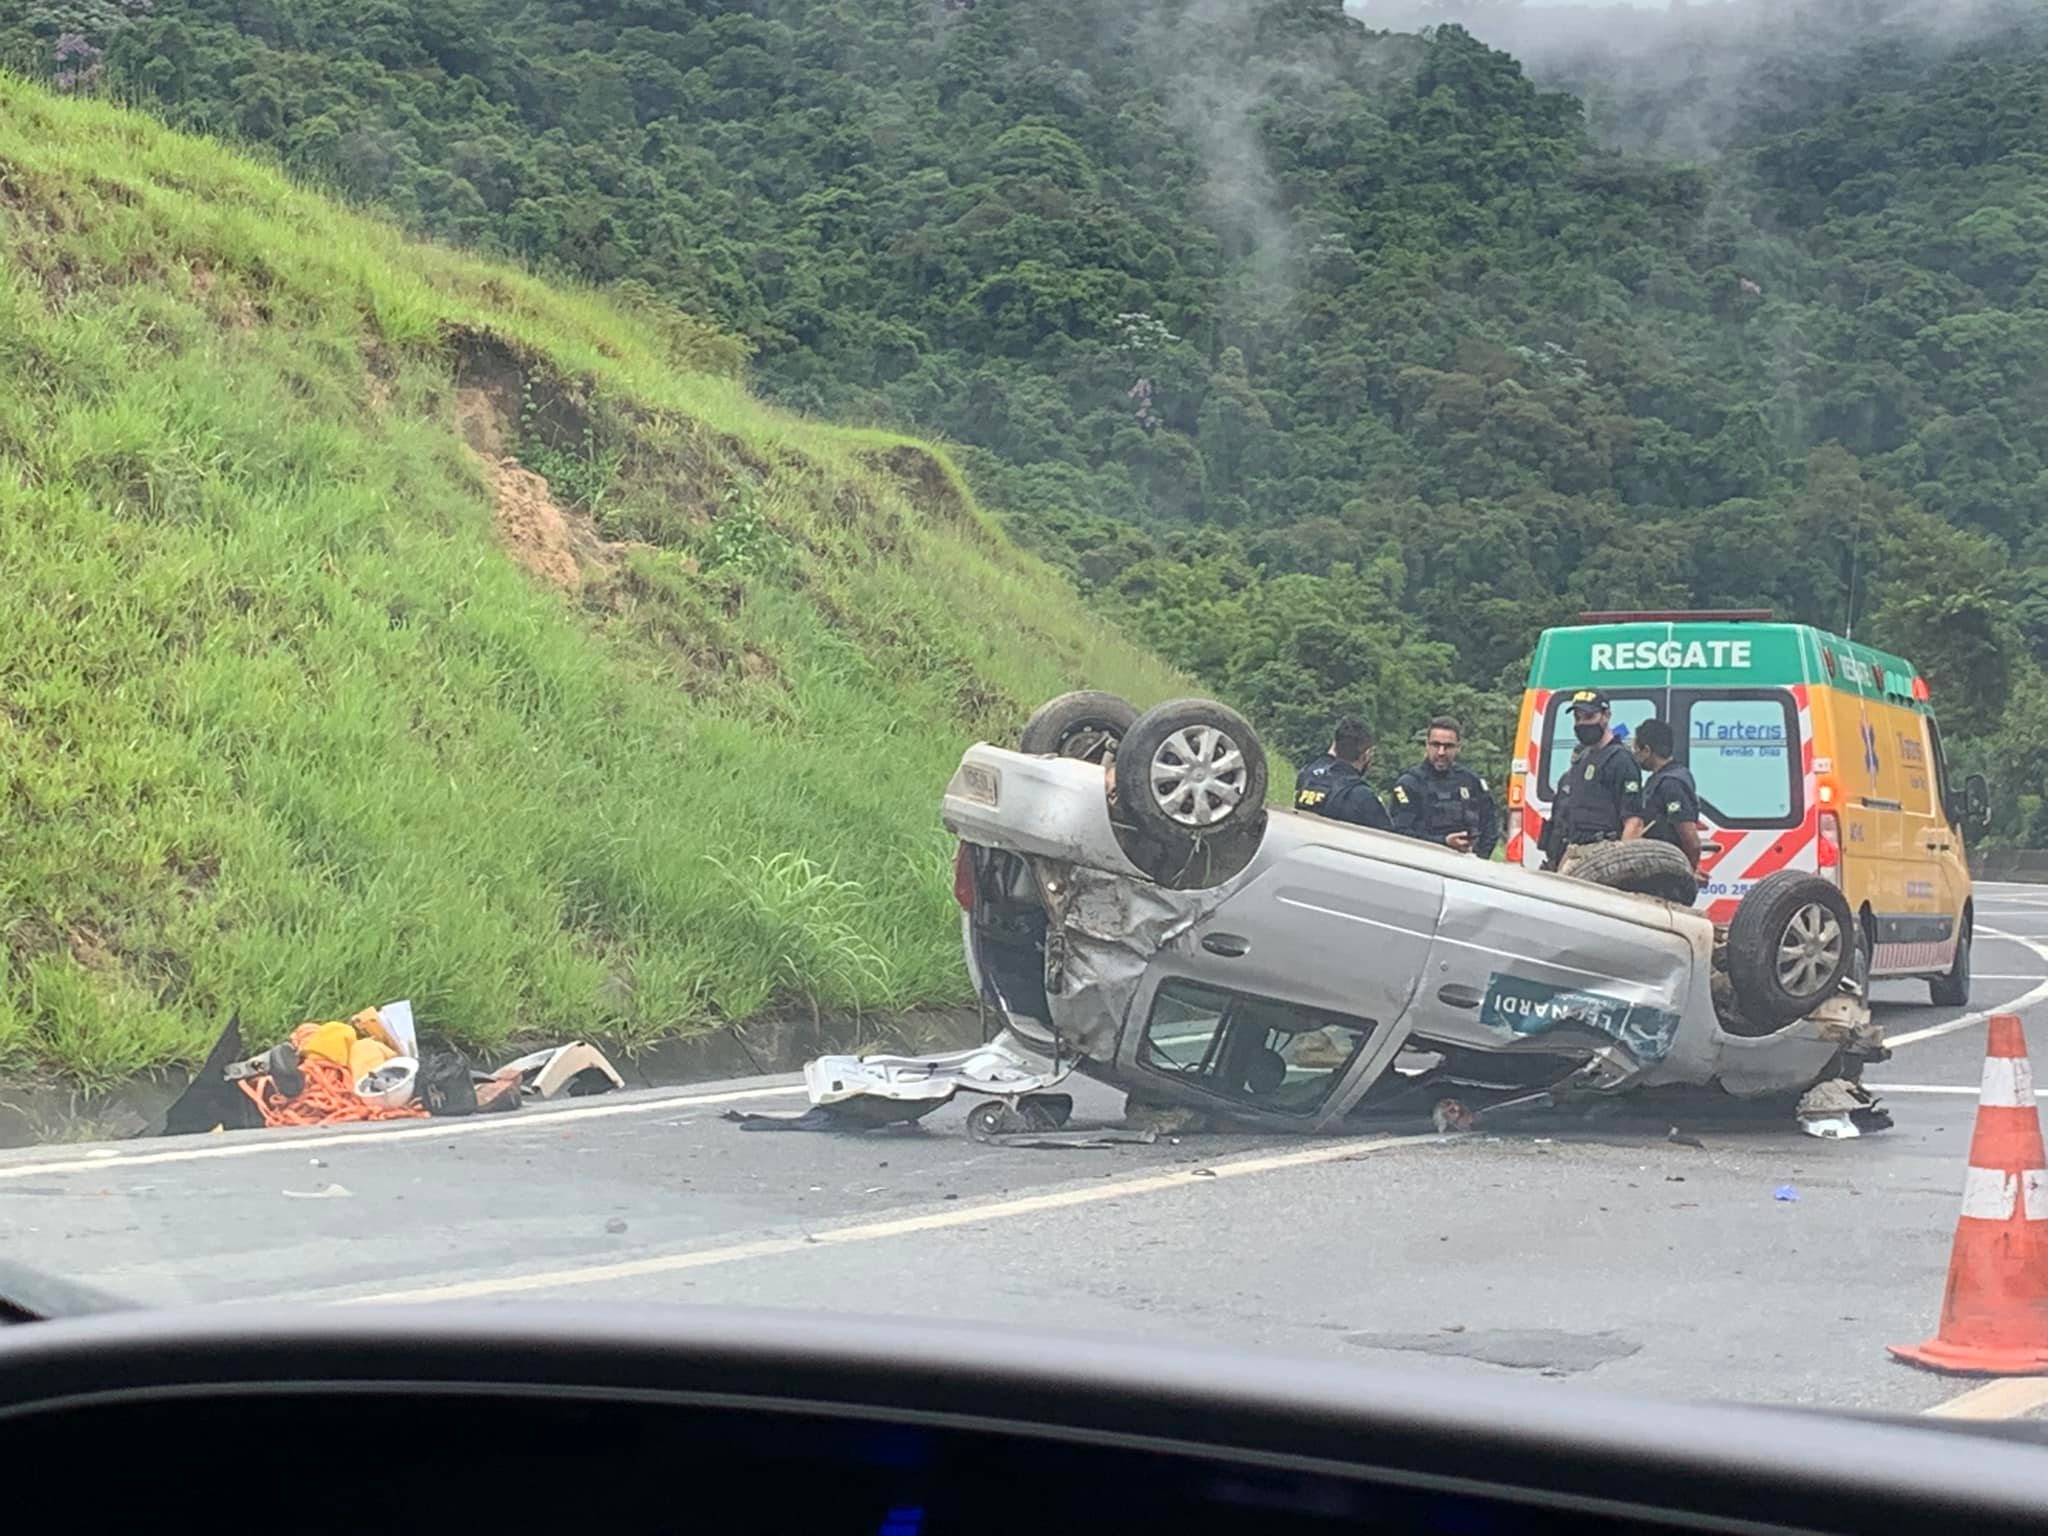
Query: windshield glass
{"type": "Point", "coordinates": [915, 655]}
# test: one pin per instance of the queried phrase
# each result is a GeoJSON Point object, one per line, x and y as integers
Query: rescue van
{"type": "Point", "coordinates": [1811, 752]}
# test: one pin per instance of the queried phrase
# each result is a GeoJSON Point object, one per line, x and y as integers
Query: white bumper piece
{"type": "Point", "coordinates": [1000, 1068]}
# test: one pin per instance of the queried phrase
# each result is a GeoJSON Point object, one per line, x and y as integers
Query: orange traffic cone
{"type": "Point", "coordinates": [1994, 1315]}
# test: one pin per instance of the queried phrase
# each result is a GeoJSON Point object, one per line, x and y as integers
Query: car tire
{"type": "Point", "coordinates": [1190, 793]}
{"type": "Point", "coordinates": [1790, 945]}
{"type": "Point", "coordinates": [1640, 865]}
{"type": "Point", "coordinates": [1085, 725]}
{"type": "Point", "coordinates": [1952, 989]}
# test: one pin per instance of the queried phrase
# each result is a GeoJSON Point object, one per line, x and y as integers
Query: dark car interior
{"type": "Point", "coordinates": [670, 1418]}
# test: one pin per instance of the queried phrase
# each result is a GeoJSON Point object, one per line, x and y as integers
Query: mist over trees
{"type": "Point", "coordinates": [1335, 361]}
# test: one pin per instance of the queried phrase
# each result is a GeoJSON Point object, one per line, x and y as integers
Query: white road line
{"type": "Point", "coordinates": [424, 1130]}
{"type": "Point", "coordinates": [2011, 1398]}
{"type": "Point", "coordinates": [1972, 1020]}
{"type": "Point", "coordinates": [1882, 1088]}
{"type": "Point", "coordinates": [901, 1226]}
{"type": "Point", "coordinates": [256, 1145]}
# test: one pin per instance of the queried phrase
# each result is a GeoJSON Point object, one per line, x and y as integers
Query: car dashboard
{"type": "Point", "coordinates": [657, 1419]}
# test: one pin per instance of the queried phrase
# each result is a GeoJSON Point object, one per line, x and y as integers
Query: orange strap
{"type": "Point", "coordinates": [329, 1098]}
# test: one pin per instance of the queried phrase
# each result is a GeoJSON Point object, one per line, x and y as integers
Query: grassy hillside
{"type": "Point", "coordinates": [381, 622]}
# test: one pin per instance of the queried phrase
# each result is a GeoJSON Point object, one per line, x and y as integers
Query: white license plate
{"type": "Point", "coordinates": [980, 784]}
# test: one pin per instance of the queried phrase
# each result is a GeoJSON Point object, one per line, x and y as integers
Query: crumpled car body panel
{"type": "Point", "coordinates": [995, 1068]}
{"type": "Point", "coordinates": [1381, 943]}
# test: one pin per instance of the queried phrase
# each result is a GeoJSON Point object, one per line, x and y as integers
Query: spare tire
{"type": "Point", "coordinates": [1086, 725]}
{"type": "Point", "coordinates": [1640, 865]}
{"type": "Point", "coordinates": [1190, 793]}
{"type": "Point", "coordinates": [1790, 945]}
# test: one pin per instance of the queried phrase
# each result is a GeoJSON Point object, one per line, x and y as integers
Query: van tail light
{"type": "Point", "coordinates": [963, 878]}
{"type": "Point", "coordinates": [1830, 848]}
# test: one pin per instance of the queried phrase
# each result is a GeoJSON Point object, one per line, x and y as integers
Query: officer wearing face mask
{"type": "Point", "coordinates": [1600, 797]}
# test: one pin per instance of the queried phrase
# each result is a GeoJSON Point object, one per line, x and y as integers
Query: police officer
{"type": "Point", "coordinates": [1600, 798]}
{"type": "Point", "coordinates": [1439, 802]}
{"type": "Point", "coordinates": [1671, 800]}
{"type": "Point", "coordinates": [1334, 784]}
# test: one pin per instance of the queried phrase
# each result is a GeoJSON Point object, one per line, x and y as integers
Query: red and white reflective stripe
{"type": "Point", "coordinates": [1525, 847]}
{"type": "Point", "coordinates": [2008, 1083]}
{"type": "Point", "coordinates": [1539, 702]}
{"type": "Point", "coordinates": [1991, 1194]}
{"type": "Point", "coordinates": [1900, 957]}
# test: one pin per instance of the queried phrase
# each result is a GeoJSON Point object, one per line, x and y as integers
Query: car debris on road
{"type": "Point", "coordinates": [1133, 911]}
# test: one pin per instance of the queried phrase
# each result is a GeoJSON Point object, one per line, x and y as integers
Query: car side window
{"type": "Point", "coordinates": [1277, 1056]}
{"type": "Point", "coordinates": [1951, 809]}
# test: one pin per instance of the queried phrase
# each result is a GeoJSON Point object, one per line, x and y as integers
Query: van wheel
{"type": "Point", "coordinates": [1191, 790]}
{"type": "Point", "coordinates": [1640, 865]}
{"type": "Point", "coordinates": [1790, 945]}
{"type": "Point", "coordinates": [1086, 725]}
{"type": "Point", "coordinates": [1952, 990]}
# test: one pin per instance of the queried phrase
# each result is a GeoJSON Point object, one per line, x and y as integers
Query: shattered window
{"type": "Point", "coordinates": [1277, 1056]}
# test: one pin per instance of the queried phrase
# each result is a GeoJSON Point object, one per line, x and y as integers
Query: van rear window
{"type": "Point", "coordinates": [1745, 756]}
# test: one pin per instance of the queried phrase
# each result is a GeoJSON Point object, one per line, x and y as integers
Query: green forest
{"type": "Point", "coordinates": [1331, 362]}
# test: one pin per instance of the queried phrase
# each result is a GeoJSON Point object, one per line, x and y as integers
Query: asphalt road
{"type": "Point", "coordinates": [1615, 1258]}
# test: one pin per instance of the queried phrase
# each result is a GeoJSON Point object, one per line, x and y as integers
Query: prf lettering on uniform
{"type": "Point", "coordinates": [1640, 655]}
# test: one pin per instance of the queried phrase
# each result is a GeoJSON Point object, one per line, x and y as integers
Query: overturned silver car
{"type": "Point", "coordinates": [1133, 909]}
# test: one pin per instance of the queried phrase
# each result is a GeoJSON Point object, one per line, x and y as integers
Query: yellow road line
{"type": "Point", "coordinates": [2011, 1397]}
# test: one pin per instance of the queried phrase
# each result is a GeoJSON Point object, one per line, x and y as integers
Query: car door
{"type": "Point", "coordinates": [1944, 861]}
{"type": "Point", "coordinates": [1746, 750]}
{"type": "Point", "coordinates": [1519, 959]}
{"type": "Point", "coordinates": [1316, 961]}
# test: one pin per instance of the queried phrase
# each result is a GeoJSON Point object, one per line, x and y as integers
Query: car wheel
{"type": "Point", "coordinates": [1953, 989]}
{"type": "Point", "coordinates": [1086, 725]}
{"type": "Point", "coordinates": [1639, 865]}
{"type": "Point", "coordinates": [1792, 942]}
{"type": "Point", "coordinates": [1191, 787]}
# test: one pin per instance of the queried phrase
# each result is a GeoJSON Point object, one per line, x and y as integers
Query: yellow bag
{"type": "Point", "coordinates": [365, 1057]}
{"type": "Point", "coordinates": [330, 1040]}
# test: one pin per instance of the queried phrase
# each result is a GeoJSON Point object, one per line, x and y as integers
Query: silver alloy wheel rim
{"type": "Point", "coordinates": [1810, 950]}
{"type": "Point", "coordinates": [1198, 776]}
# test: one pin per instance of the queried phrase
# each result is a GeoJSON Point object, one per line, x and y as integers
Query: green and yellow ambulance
{"type": "Point", "coordinates": [1811, 752]}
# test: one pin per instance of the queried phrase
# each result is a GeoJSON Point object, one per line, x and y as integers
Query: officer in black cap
{"type": "Point", "coordinates": [1439, 802]}
{"type": "Point", "coordinates": [1334, 784]}
{"type": "Point", "coordinates": [1600, 797]}
{"type": "Point", "coordinates": [1671, 800]}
